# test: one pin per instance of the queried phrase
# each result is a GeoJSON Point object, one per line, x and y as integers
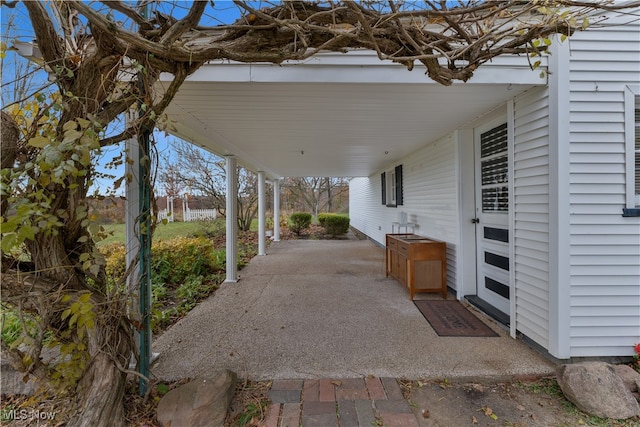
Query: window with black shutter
{"type": "Point", "coordinates": [636, 149]}
{"type": "Point", "coordinates": [392, 190]}
{"type": "Point", "coordinates": [399, 190]}
{"type": "Point", "coordinates": [632, 135]}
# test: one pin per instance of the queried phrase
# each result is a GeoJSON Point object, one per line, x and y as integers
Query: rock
{"type": "Point", "coordinates": [629, 377]}
{"type": "Point", "coordinates": [201, 402]}
{"type": "Point", "coordinates": [12, 381]}
{"type": "Point", "coordinates": [16, 382]}
{"type": "Point", "coordinates": [596, 388]}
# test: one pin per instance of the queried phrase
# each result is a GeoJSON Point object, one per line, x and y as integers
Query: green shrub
{"type": "Point", "coordinates": [115, 257]}
{"type": "Point", "coordinates": [192, 288]}
{"type": "Point", "coordinates": [184, 271]}
{"type": "Point", "coordinates": [335, 224]}
{"type": "Point", "coordinates": [284, 220]}
{"type": "Point", "coordinates": [323, 217]}
{"type": "Point", "coordinates": [300, 221]}
{"type": "Point", "coordinates": [172, 261]}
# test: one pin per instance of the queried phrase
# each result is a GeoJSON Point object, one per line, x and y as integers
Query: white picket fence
{"type": "Point", "coordinates": [165, 214]}
{"type": "Point", "coordinates": [199, 214]}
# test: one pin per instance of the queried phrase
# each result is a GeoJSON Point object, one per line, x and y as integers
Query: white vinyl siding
{"type": "Point", "coordinates": [604, 246]}
{"type": "Point", "coordinates": [366, 214]}
{"type": "Point", "coordinates": [430, 196]}
{"type": "Point", "coordinates": [531, 214]}
{"type": "Point", "coordinates": [430, 199]}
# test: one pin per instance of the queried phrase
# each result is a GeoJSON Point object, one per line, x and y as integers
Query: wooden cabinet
{"type": "Point", "coordinates": [418, 262]}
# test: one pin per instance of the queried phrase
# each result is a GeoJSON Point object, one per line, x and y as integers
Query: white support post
{"type": "Point", "coordinates": [276, 210]}
{"type": "Point", "coordinates": [132, 215]}
{"type": "Point", "coordinates": [232, 219]}
{"type": "Point", "coordinates": [132, 227]}
{"type": "Point", "coordinates": [132, 235]}
{"type": "Point", "coordinates": [261, 214]}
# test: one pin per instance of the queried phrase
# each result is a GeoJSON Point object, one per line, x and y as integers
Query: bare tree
{"type": "Point", "coordinates": [101, 69]}
{"type": "Point", "coordinates": [196, 172]}
{"type": "Point", "coordinates": [170, 181]}
{"type": "Point", "coordinates": [201, 173]}
{"type": "Point", "coordinates": [315, 194]}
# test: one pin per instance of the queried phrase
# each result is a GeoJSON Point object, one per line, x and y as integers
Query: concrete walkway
{"type": "Point", "coordinates": [314, 309]}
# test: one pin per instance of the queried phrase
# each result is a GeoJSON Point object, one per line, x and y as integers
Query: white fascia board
{"type": "Point", "coordinates": [350, 68]}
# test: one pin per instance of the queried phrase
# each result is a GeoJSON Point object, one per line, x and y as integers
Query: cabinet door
{"type": "Point", "coordinates": [402, 270]}
{"type": "Point", "coordinates": [393, 255]}
{"type": "Point", "coordinates": [428, 274]}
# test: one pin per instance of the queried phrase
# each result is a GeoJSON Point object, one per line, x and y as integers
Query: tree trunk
{"type": "Point", "coordinates": [97, 399]}
{"type": "Point", "coordinates": [100, 394]}
{"type": "Point", "coordinates": [9, 135]}
{"type": "Point", "coordinates": [329, 196]}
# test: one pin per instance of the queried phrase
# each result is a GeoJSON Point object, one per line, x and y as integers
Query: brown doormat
{"type": "Point", "coordinates": [449, 318]}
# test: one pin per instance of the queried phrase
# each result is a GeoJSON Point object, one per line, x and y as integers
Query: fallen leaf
{"type": "Point", "coordinates": [489, 413]}
{"type": "Point", "coordinates": [520, 408]}
{"type": "Point", "coordinates": [425, 413]}
{"type": "Point", "coordinates": [474, 420]}
{"type": "Point", "coordinates": [336, 383]}
{"type": "Point", "coordinates": [444, 383]}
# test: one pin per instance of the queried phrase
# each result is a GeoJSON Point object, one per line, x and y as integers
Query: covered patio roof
{"type": "Point", "coordinates": [335, 114]}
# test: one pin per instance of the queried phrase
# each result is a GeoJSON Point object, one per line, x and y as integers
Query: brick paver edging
{"type": "Point", "coordinates": [349, 402]}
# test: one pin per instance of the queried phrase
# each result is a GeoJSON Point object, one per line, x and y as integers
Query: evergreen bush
{"type": "Point", "coordinates": [335, 224]}
{"type": "Point", "coordinates": [322, 218]}
{"type": "Point", "coordinates": [299, 221]}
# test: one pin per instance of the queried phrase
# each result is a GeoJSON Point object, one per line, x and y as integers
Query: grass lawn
{"type": "Point", "coordinates": [163, 231]}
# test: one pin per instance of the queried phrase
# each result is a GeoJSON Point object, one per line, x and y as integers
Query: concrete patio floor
{"type": "Point", "coordinates": [313, 309]}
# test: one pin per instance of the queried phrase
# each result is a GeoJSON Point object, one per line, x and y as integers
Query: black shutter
{"type": "Point", "coordinates": [384, 188]}
{"type": "Point", "coordinates": [399, 192]}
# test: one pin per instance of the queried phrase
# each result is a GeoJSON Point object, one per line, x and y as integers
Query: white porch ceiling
{"type": "Point", "coordinates": [322, 120]}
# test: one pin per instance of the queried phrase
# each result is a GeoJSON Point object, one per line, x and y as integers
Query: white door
{"type": "Point", "coordinates": [492, 214]}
